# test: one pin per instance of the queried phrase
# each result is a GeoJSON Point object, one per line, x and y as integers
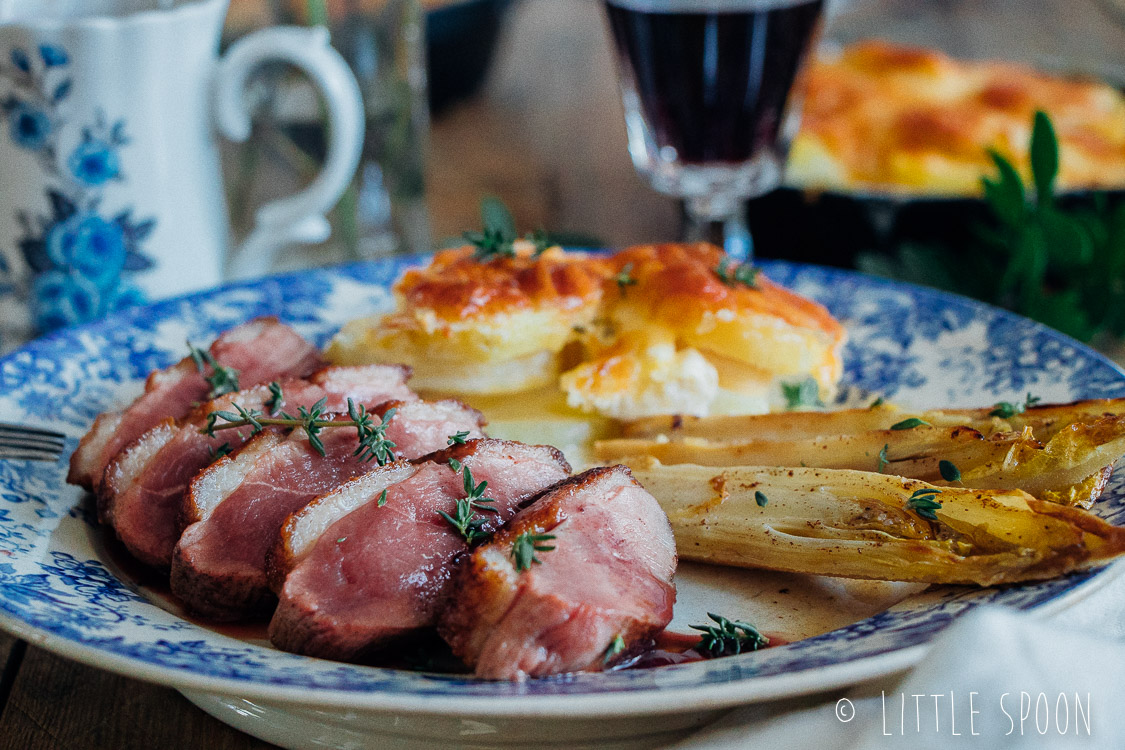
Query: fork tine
{"type": "Point", "coordinates": [18, 429]}
{"type": "Point", "coordinates": [23, 454]}
{"type": "Point", "coordinates": [34, 444]}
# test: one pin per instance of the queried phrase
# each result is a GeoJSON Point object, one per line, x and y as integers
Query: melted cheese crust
{"type": "Point", "coordinates": [902, 119]}
{"type": "Point", "coordinates": [675, 339]}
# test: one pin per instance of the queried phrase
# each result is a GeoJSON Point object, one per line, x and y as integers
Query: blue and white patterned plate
{"type": "Point", "coordinates": [919, 347]}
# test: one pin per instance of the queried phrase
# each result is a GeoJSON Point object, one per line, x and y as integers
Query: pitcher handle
{"type": "Point", "coordinates": [301, 217]}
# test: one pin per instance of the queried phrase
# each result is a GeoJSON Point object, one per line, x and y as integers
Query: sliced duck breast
{"type": "Point", "coordinates": [143, 493]}
{"type": "Point", "coordinates": [518, 609]}
{"type": "Point", "coordinates": [362, 568]}
{"type": "Point", "coordinates": [259, 351]}
{"type": "Point", "coordinates": [236, 507]}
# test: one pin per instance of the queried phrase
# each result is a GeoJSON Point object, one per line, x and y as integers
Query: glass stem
{"type": "Point", "coordinates": [720, 220]}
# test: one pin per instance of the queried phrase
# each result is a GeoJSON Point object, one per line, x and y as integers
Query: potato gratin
{"type": "Point", "coordinates": [902, 119]}
{"type": "Point", "coordinates": [653, 329]}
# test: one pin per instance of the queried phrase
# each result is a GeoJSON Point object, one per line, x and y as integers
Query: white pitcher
{"type": "Point", "coordinates": [110, 186]}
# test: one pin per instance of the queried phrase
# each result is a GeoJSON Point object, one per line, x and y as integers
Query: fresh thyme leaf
{"type": "Point", "coordinates": [222, 450]}
{"type": "Point", "coordinates": [949, 471]}
{"type": "Point", "coordinates": [624, 277]}
{"type": "Point", "coordinates": [1007, 410]}
{"type": "Point", "coordinates": [877, 403]}
{"type": "Point", "coordinates": [732, 272]}
{"type": "Point", "coordinates": [616, 646]}
{"type": "Point", "coordinates": [373, 441]}
{"type": "Point", "coordinates": [222, 380]}
{"type": "Point", "coordinates": [525, 547]}
{"type": "Point", "coordinates": [760, 498]}
{"type": "Point", "coordinates": [540, 241]}
{"type": "Point", "coordinates": [455, 465]}
{"type": "Point", "coordinates": [803, 394]}
{"type": "Point", "coordinates": [276, 398]}
{"type": "Point", "coordinates": [924, 502]}
{"type": "Point", "coordinates": [498, 231]}
{"type": "Point", "coordinates": [372, 438]}
{"type": "Point", "coordinates": [465, 519]}
{"type": "Point", "coordinates": [341, 540]}
{"type": "Point", "coordinates": [910, 424]}
{"type": "Point", "coordinates": [728, 637]}
{"type": "Point", "coordinates": [382, 500]}
{"type": "Point", "coordinates": [458, 438]}
{"type": "Point", "coordinates": [883, 461]}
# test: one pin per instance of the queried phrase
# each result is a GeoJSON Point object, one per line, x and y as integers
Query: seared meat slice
{"type": "Point", "coordinates": [143, 493]}
{"type": "Point", "coordinates": [362, 572]}
{"type": "Point", "coordinates": [237, 505]}
{"type": "Point", "coordinates": [609, 574]}
{"type": "Point", "coordinates": [261, 350]}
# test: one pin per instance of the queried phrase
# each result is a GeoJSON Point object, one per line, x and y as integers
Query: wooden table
{"type": "Point", "coordinates": [547, 136]}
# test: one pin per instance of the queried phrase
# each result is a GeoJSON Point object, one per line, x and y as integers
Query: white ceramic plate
{"type": "Point", "coordinates": [60, 588]}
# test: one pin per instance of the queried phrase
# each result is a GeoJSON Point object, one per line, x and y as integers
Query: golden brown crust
{"type": "Point", "coordinates": [457, 287]}
{"type": "Point", "coordinates": [678, 285]}
{"type": "Point", "coordinates": [885, 116]}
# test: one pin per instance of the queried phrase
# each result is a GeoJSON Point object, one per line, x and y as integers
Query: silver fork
{"type": "Point", "coordinates": [24, 443]}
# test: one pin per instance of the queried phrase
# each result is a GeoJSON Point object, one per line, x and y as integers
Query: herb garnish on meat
{"type": "Point", "coordinates": [728, 637]}
{"type": "Point", "coordinates": [373, 442]}
{"type": "Point", "coordinates": [222, 379]}
{"type": "Point", "coordinates": [465, 519]}
{"type": "Point", "coordinates": [458, 438]}
{"type": "Point", "coordinates": [525, 547]}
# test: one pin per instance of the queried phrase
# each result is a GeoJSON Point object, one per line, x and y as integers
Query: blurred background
{"type": "Point", "coordinates": [519, 99]}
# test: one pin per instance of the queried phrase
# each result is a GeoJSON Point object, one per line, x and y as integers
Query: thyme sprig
{"type": "Point", "coordinates": [614, 649]}
{"type": "Point", "coordinates": [458, 438]}
{"type": "Point", "coordinates": [373, 442]}
{"type": "Point", "coordinates": [525, 547]}
{"type": "Point", "coordinates": [497, 238]}
{"type": "Point", "coordinates": [1007, 409]}
{"type": "Point", "coordinates": [465, 519]}
{"type": "Point", "coordinates": [222, 379]}
{"type": "Point", "coordinates": [625, 278]}
{"type": "Point", "coordinates": [728, 637]}
{"type": "Point", "coordinates": [924, 502]}
{"type": "Point", "coordinates": [883, 460]}
{"type": "Point", "coordinates": [732, 272]}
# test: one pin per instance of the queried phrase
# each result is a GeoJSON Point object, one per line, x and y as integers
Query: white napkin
{"type": "Point", "coordinates": [1018, 665]}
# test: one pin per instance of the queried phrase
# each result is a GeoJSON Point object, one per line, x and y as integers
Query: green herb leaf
{"type": "Point", "coordinates": [616, 646]}
{"type": "Point", "coordinates": [455, 465]}
{"type": "Point", "coordinates": [883, 461]}
{"type": "Point", "coordinates": [1007, 410]}
{"type": "Point", "coordinates": [728, 637]}
{"type": "Point", "coordinates": [949, 471]}
{"type": "Point", "coordinates": [910, 423]}
{"type": "Point", "coordinates": [624, 277]}
{"type": "Point", "coordinates": [276, 399]}
{"type": "Point", "coordinates": [222, 450]}
{"type": "Point", "coordinates": [760, 498]}
{"type": "Point", "coordinates": [525, 547]}
{"type": "Point", "coordinates": [924, 502]}
{"type": "Point", "coordinates": [1044, 158]}
{"type": "Point", "coordinates": [803, 394]}
{"type": "Point", "coordinates": [222, 380]}
{"type": "Point", "coordinates": [496, 218]}
{"type": "Point", "coordinates": [458, 438]}
{"type": "Point", "coordinates": [732, 272]}
{"type": "Point", "coordinates": [877, 403]}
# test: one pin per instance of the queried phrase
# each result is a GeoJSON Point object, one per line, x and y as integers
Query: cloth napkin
{"type": "Point", "coordinates": [1018, 665]}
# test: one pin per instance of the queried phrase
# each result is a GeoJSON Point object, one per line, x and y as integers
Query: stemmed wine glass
{"type": "Point", "coordinates": [711, 100]}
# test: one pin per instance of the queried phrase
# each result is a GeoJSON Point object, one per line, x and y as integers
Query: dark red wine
{"type": "Point", "coordinates": [712, 77]}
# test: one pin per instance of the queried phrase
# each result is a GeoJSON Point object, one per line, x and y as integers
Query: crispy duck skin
{"type": "Point", "coordinates": [261, 350]}
{"type": "Point", "coordinates": [608, 575]}
{"type": "Point", "coordinates": [361, 569]}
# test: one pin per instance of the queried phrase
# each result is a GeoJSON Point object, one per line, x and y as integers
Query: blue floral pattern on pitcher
{"type": "Point", "coordinates": [80, 256]}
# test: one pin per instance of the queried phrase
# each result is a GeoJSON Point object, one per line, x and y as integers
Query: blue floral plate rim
{"type": "Point", "coordinates": [213, 663]}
